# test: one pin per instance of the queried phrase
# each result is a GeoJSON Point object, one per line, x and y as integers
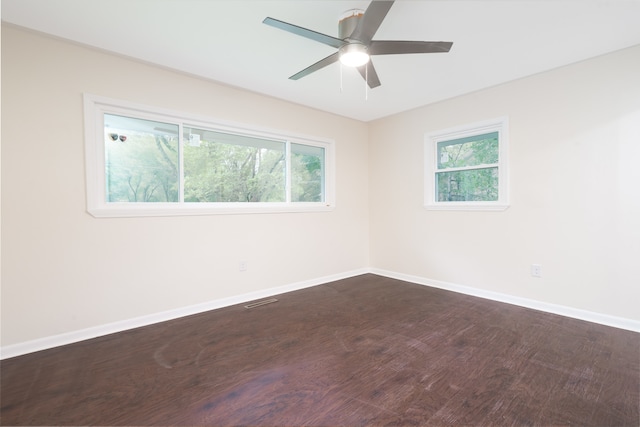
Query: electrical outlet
{"type": "Point", "coordinates": [242, 266]}
{"type": "Point", "coordinates": [536, 270]}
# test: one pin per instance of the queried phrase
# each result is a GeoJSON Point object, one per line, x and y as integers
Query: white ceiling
{"type": "Point", "coordinates": [224, 40]}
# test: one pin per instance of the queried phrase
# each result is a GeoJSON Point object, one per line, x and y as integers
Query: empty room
{"type": "Point", "coordinates": [320, 212]}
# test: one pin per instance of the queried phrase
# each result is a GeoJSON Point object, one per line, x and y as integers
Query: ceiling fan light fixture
{"type": "Point", "coordinates": [354, 55]}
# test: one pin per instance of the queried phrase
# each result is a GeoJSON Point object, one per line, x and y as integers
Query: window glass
{"type": "Point", "coordinates": [141, 160]}
{"type": "Point", "coordinates": [222, 167]}
{"type": "Point", "coordinates": [470, 151]}
{"type": "Point", "coordinates": [467, 185]}
{"type": "Point", "coordinates": [307, 173]}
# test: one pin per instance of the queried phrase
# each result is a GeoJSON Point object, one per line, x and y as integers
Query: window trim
{"type": "Point", "coordinates": [431, 140]}
{"type": "Point", "coordinates": [96, 106]}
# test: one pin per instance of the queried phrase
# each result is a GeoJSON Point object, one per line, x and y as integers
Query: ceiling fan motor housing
{"type": "Point", "coordinates": [354, 53]}
{"type": "Point", "coordinates": [348, 22]}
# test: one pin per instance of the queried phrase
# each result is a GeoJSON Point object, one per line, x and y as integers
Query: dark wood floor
{"type": "Point", "coordinates": [362, 351]}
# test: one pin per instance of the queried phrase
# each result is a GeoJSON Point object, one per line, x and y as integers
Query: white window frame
{"type": "Point", "coordinates": [500, 125]}
{"type": "Point", "coordinates": [95, 107]}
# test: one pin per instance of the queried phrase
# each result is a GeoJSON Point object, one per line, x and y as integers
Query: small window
{"type": "Point", "coordinates": [143, 161]}
{"type": "Point", "coordinates": [466, 168]}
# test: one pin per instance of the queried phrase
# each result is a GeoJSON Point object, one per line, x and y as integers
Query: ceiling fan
{"type": "Point", "coordinates": [355, 43]}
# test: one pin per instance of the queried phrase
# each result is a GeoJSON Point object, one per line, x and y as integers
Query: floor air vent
{"type": "Point", "coordinates": [259, 303]}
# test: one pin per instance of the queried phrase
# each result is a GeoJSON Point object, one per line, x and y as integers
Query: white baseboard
{"type": "Point", "coordinates": [123, 325]}
{"type": "Point", "coordinates": [576, 313]}
{"type": "Point", "coordinates": [110, 328]}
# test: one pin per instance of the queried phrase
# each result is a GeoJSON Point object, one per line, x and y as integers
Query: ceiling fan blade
{"type": "Point", "coordinates": [392, 47]}
{"type": "Point", "coordinates": [317, 66]}
{"type": "Point", "coordinates": [368, 72]}
{"type": "Point", "coordinates": [370, 22]}
{"type": "Point", "coordinates": [304, 32]}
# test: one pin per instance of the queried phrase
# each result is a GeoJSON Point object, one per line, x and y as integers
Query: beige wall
{"type": "Point", "coordinates": [64, 270]}
{"type": "Point", "coordinates": [575, 191]}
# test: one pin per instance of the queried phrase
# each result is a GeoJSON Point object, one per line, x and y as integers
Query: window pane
{"type": "Point", "coordinates": [476, 185]}
{"type": "Point", "coordinates": [470, 151]}
{"type": "Point", "coordinates": [221, 167]}
{"type": "Point", "coordinates": [141, 160]}
{"type": "Point", "coordinates": [307, 173]}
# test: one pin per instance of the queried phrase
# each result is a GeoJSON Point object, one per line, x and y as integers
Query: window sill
{"type": "Point", "coordinates": [132, 210]}
{"type": "Point", "coordinates": [466, 207]}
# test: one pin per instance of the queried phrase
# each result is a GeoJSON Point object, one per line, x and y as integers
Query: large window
{"type": "Point", "coordinates": [143, 161]}
{"type": "Point", "coordinates": [466, 168]}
